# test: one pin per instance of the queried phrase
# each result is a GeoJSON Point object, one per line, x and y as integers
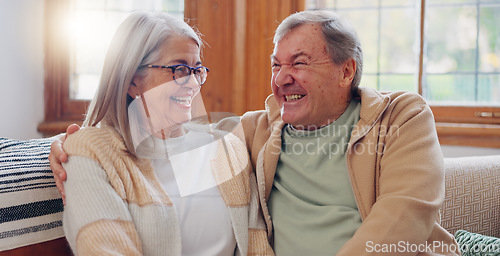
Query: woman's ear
{"type": "Point", "coordinates": [133, 89]}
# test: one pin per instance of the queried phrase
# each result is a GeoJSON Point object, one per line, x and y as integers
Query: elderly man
{"type": "Point", "coordinates": [341, 170]}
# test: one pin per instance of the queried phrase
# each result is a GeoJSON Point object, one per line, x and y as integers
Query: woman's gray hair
{"type": "Point", "coordinates": [138, 41]}
{"type": "Point", "coordinates": [340, 37]}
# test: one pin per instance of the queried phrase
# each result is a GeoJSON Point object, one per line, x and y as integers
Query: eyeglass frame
{"type": "Point", "coordinates": [192, 70]}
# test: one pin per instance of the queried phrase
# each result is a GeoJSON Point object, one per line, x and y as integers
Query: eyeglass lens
{"type": "Point", "coordinates": [182, 74]}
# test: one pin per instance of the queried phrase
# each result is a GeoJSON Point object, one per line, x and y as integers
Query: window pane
{"type": "Point", "coordinates": [489, 89]}
{"type": "Point", "coordinates": [397, 83]}
{"type": "Point", "coordinates": [369, 80]}
{"type": "Point", "coordinates": [451, 89]}
{"type": "Point", "coordinates": [356, 4]}
{"type": "Point", "coordinates": [95, 22]}
{"type": "Point", "coordinates": [399, 47]}
{"type": "Point", "coordinates": [489, 39]}
{"type": "Point", "coordinates": [85, 84]}
{"type": "Point", "coordinates": [451, 39]}
{"type": "Point", "coordinates": [398, 3]}
{"type": "Point", "coordinates": [434, 2]}
{"type": "Point", "coordinates": [464, 45]}
{"type": "Point", "coordinates": [90, 4]}
{"type": "Point", "coordinates": [174, 7]}
{"type": "Point", "coordinates": [87, 67]}
{"type": "Point", "coordinates": [319, 4]}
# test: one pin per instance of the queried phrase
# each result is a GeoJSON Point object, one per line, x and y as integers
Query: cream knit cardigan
{"type": "Point", "coordinates": [115, 205]}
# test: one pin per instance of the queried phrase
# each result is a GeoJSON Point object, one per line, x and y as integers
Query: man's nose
{"type": "Point", "coordinates": [283, 77]}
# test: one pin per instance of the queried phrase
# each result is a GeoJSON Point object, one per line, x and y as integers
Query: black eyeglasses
{"type": "Point", "coordinates": [182, 72]}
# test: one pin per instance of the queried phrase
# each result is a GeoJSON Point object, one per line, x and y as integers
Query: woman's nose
{"type": "Point", "coordinates": [192, 82]}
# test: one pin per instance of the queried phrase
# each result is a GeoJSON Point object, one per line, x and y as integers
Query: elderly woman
{"type": "Point", "coordinates": [142, 178]}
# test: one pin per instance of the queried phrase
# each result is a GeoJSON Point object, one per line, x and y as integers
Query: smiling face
{"type": "Point", "coordinates": [311, 90]}
{"type": "Point", "coordinates": [166, 102]}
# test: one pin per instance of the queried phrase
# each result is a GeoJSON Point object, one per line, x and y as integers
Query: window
{"type": "Point", "coordinates": [92, 26]}
{"type": "Point", "coordinates": [77, 35]}
{"type": "Point", "coordinates": [446, 50]}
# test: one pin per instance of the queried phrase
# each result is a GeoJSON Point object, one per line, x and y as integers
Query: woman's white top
{"type": "Point", "coordinates": [183, 167]}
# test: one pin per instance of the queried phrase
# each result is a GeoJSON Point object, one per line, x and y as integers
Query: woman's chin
{"type": "Point", "coordinates": [182, 119]}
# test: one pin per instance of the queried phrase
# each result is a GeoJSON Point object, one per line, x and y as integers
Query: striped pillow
{"type": "Point", "coordinates": [30, 204]}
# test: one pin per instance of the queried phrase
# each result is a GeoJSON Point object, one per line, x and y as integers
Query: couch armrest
{"type": "Point", "coordinates": [472, 199]}
{"type": "Point", "coordinates": [30, 204]}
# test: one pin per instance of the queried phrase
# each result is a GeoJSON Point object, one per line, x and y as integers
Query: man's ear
{"type": "Point", "coordinates": [349, 71]}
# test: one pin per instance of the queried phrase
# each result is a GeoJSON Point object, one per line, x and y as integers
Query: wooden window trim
{"type": "Point", "coordinates": [468, 126]}
{"type": "Point", "coordinates": [60, 110]}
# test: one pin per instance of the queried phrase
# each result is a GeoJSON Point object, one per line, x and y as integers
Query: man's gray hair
{"type": "Point", "coordinates": [340, 37]}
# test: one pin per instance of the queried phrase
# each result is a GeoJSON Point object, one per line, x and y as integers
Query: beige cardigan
{"type": "Point", "coordinates": [396, 169]}
{"type": "Point", "coordinates": [115, 205]}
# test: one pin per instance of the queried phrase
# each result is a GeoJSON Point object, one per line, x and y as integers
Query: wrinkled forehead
{"type": "Point", "coordinates": [305, 40]}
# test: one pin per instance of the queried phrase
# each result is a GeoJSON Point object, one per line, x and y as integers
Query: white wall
{"type": "Point", "coordinates": [21, 68]}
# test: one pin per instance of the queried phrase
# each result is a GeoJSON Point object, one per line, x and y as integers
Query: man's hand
{"type": "Point", "coordinates": [57, 156]}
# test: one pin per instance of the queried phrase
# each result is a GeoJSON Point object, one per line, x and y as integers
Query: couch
{"type": "Point", "coordinates": [31, 208]}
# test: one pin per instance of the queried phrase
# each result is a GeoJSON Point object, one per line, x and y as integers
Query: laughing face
{"type": "Point", "coordinates": [311, 90]}
{"type": "Point", "coordinates": [166, 102]}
